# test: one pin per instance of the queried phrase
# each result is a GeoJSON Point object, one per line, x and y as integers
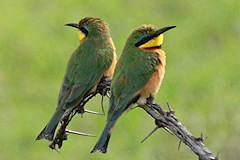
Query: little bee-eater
{"type": "Point", "coordinates": [94, 58]}
{"type": "Point", "coordinates": [138, 75]}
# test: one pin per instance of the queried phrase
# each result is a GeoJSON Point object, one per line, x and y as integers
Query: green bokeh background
{"type": "Point", "coordinates": [202, 81]}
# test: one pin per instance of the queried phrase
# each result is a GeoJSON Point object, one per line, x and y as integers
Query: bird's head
{"type": "Point", "coordinates": [92, 28]}
{"type": "Point", "coordinates": [147, 37]}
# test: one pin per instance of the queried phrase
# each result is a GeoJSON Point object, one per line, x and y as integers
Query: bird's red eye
{"type": "Point", "coordinates": [144, 39]}
{"type": "Point", "coordinates": [83, 29]}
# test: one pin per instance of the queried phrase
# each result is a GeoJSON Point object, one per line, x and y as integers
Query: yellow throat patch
{"type": "Point", "coordinates": [81, 35]}
{"type": "Point", "coordinates": [155, 42]}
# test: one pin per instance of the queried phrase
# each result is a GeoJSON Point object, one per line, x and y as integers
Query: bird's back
{"type": "Point", "coordinates": [132, 73]}
{"type": "Point", "coordinates": [85, 68]}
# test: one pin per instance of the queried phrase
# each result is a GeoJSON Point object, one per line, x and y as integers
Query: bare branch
{"type": "Point", "coordinates": [103, 89]}
{"type": "Point", "coordinates": [168, 120]}
{"type": "Point", "coordinates": [163, 119]}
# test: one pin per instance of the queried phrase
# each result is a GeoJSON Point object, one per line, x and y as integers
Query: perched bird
{"type": "Point", "coordinates": [94, 58]}
{"type": "Point", "coordinates": [138, 75]}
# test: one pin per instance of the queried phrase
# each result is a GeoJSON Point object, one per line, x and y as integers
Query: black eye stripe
{"type": "Point", "coordinates": [143, 40]}
{"type": "Point", "coordinates": [84, 30]}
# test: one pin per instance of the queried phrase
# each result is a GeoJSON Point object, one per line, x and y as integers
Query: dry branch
{"type": "Point", "coordinates": [163, 119]}
{"type": "Point", "coordinates": [103, 88]}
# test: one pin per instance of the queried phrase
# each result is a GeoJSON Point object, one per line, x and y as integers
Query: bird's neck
{"type": "Point", "coordinates": [95, 40]}
{"type": "Point", "coordinates": [161, 54]}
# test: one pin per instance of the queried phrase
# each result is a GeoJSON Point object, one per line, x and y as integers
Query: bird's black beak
{"type": "Point", "coordinates": [162, 30]}
{"type": "Point", "coordinates": [75, 25]}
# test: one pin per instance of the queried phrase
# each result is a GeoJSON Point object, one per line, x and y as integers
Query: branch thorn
{"type": "Point", "coordinates": [79, 133]}
{"type": "Point", "coordinates": [149, 134]}
{"type": "Point", "coordinates": [170, 109]}
{"type": "Point", "coordinates": [216, 158]}
{"type": "Point", "coordinates": [104, 92]}
{"type": "Point", "coordinates": [179, 144]}
{"type": "Point", "coordinates": [108, 94]}
{"type": "Point", "coordinates": [103, 86]}
{"type": "Point", "coordinates": [168, 130]}
{"type": "Point", "coordinates": [92, 112]}
{"type": "Point", "coordinates": [80, 110]}
{"type": "Point", "coordinates": [54, 148]}
{"type": "Point", "coordinates": [201, 138]}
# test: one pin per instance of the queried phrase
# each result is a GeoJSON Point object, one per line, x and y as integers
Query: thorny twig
{"type": "Point", "coordinates": [103, 89]}
{"type": "Point", "coordinates": [163, 119]}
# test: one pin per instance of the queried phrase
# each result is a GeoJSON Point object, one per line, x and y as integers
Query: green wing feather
{"type": "Point", "coordinates": [85, 69]}
{"type": "Point", "coordinates": [132, 73]}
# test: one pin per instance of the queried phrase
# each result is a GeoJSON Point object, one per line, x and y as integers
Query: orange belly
{"type": "Point", "coordinates": [155, 81]}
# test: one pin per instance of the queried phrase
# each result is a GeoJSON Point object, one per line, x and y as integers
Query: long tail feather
{"type": "Point", "coordinates": [48, 132]}
{"type": "Point", "coordinates": [102, 143]}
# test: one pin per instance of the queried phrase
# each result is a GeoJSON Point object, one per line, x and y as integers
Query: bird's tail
{"type": "Point", "coordinates": [48, 132]}
{"type": "Point", "coordinates": [102, 143]}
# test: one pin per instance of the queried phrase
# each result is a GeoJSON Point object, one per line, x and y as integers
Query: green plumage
{"type": "Point", "coordinates": [134, 69]}
{"type": "Point", "coordinates": [86, 67]}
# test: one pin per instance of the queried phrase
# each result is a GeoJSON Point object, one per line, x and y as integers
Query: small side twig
{"type": "Point", "coordinates": [168, 119]}
{"type": "Point", "coordinates": [163, 119]}
{"type": "Point", "coordinates": [103, 89]}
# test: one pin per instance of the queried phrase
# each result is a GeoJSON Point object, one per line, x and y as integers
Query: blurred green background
{"type": "Point", "coordinates": [202, 81]}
